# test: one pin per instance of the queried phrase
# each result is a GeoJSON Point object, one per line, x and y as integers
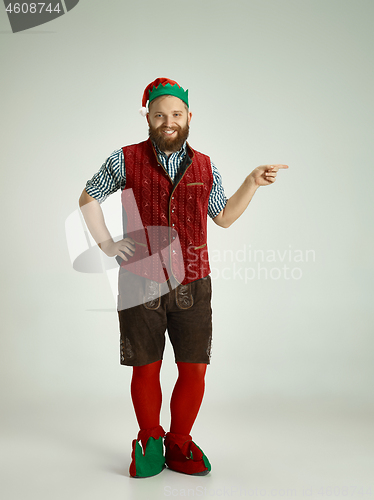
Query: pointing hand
{"type": "Point", "coordinates": [266, 174]}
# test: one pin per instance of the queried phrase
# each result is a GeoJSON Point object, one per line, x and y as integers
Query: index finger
{"type": "Point", "coordinates": [278, 165]}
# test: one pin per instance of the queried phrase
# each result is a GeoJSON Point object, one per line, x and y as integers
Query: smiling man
{"type": "Point", "coordinates": [169, 121]}
{"type": "Point", "coordinates": [175, 188]}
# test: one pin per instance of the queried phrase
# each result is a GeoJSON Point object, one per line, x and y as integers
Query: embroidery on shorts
{"type": "Point", "coordinates": [183, 296]}
{"type": "Point", "coordinates": [209, 348]}
{"type": "Point", "coordinates": [126, 349]}
{"type": "Point", "coordinates": [152, 297]}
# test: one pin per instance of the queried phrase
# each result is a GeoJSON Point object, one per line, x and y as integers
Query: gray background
{"type": "Point", "coordinates": [270, 82]}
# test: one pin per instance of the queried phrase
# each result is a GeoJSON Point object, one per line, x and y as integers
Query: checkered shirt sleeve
{"type": "Point", "coordinates": [109, 178]}
{"type": "Point", "coordinates": [217, 198]}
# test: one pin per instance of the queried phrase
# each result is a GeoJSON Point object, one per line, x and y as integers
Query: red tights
{"type": "Point", "coordinates": [185, 401]}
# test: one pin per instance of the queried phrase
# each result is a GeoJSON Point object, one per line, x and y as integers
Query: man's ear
{"type": "Point", "coordinates": [147, 116]}
{"type": "Point", "coordinates": [189, 117]}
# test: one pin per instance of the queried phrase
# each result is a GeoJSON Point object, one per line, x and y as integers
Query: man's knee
{"type": "Point", "coordinates": [192, 370]}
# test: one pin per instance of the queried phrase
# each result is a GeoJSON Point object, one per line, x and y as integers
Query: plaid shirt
{"type": "Point", "coordinates": [112, 176]}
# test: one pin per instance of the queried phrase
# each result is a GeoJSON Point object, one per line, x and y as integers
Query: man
{"type": "Point", "coordinates": [164, 280]}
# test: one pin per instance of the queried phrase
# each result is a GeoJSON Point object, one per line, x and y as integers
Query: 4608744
{"type": "Point", "coordinates": [32, 8]}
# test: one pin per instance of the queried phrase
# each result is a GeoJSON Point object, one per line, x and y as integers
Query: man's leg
{"type": "Point", "coordinates": [187, 396]}
{"type": "Point", "coordinates": [142, 341]}
{"type": "Point", "coordinates": [190, 331]}
{"type": "Point", "coordinates": [182, 454]}
{"type": "Point", "coordinates": [148, 459]}
{"type": "Point", "coordinates": [146, 394]}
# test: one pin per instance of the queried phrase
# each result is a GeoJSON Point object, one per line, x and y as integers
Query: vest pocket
{"type": "Point", "coordinates": [201, 246]}
{"type": "Point", "coordinates": [195, 184]}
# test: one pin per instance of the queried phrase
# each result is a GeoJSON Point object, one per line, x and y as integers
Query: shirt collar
{"type": "Point", "coordinates": [180, 153]}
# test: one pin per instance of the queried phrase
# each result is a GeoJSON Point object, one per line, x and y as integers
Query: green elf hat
{"type": "Point", "coordinates": [162, 86]}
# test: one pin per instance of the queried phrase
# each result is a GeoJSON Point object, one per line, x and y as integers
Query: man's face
{"type": "Point", "coordinates": [169, 121]}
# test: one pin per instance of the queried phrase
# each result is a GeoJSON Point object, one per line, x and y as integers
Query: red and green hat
{"type": "Point", "coordinates": [162, 86]}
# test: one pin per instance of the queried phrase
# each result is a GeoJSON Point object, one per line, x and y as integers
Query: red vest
{"type": "Point", "coordinates": [167, 221]}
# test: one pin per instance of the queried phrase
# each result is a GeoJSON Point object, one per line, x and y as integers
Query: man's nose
{"type": "Point", "coordinates": [168, 120]}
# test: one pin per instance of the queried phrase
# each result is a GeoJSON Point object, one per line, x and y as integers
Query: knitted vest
{"type": "Point", "coordinates": [166, 219]}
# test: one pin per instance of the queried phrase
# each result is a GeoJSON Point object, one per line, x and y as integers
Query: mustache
{"type": "Point", "coordinates": [162, 127]}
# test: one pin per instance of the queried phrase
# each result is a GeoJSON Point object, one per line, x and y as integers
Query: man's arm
{"type": "Point", "coordinates": [94, 217]}
{"type": "Point", "coordinates": [239, 201]}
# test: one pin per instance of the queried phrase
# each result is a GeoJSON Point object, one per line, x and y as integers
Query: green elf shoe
{"type": "Point", "coordinates": [152, 461]}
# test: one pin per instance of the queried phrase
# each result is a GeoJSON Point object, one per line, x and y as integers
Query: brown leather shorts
{"type": "Point", "coordinates": [185, 312]}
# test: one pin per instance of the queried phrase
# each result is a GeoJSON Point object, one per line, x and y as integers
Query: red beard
{"type": "Point", "coordinates": [165, 143]}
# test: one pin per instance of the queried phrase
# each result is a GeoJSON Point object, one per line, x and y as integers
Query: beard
{"type": "Point", "coordinates": [165, 143]}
